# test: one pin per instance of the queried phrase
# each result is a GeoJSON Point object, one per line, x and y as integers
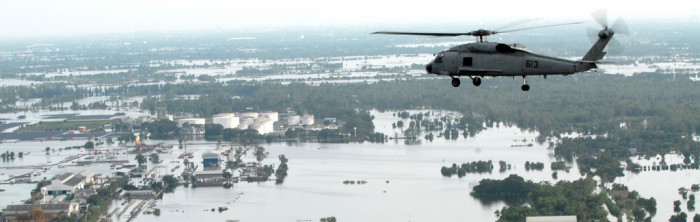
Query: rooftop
{"type": "Point", "coordinates": [64, 176]}
{"type": "Point", "coordinates": [75, 180]}
{"type": "Point", "coordinates": [27, 207]}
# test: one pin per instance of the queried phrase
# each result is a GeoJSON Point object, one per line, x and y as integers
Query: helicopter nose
{"type": "Point", "coordinates": [429, 68]}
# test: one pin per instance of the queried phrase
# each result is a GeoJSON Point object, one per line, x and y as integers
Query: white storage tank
{"type": "Point", "coordinates": [227, 120]}
{"type": "Point", "coordinates": [191, 121]}
{"type": "Point", "coordinates": [307, 120]}
{"type": "Point", "coordinates": [245, 123]}
{"type": "Point", "coordinates": [293, 120]}
{"type": "Point", "coordinates": [263, 127]}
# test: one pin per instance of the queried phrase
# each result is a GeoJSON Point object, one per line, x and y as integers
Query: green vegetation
{"type": "Point", "coordinates": [691, 203]}
{"type": "Point", "coordinates": [162, 129]}
{"type": "Point", "coordinates": [630, 203]}
{"type": "Point", "coordinates": [89, 145]}
{"type": "Point", "coordinates": [471, 167]}
{"type": "Point", "coordinates": [38, 187]}
{"type": "Point", "coordinates": [677, 206]}
{"type": "Point", "coordinates": [681, 217]}
{"type": "Point", "coordinates": [559, 165]}
{"type": "Point", "coordinates": [281, 171]}
{"type": "Point", "coordinates": [140, 159]}
{"type": "Point", "coordinates": [534, 166]}
{"type": "Point", "coordinates": [563, 198]}
{"type": "Point", "coordinates": [169, 183]}
{"type": "Point", "coordinates": [7, 156]}
{"type": "Point", "coordinates": [101, 201]}
{"type": "Point", "coordinates": [503, 166]}
{"type": "Point", "coordinates": [154, 158]}
{"type": "Point", "coordinates": [328, 219]}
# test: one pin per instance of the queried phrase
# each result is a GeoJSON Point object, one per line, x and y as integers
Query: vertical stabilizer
{"type": "Point", "coordinates": [596, 52]}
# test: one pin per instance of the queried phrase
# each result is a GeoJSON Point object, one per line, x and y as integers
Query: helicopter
{"type": "Point", "coordinates": [482, 58]}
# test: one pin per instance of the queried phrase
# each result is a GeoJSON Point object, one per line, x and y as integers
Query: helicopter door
{"type": "Point", "coordinates": [450, 61]}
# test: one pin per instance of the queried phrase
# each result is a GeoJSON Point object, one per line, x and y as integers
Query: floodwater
{"type": "Point", "coordinates": [404, 181]}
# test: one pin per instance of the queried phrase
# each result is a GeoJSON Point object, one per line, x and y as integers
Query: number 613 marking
{"type": "Point", "coordinates": [531, 64]}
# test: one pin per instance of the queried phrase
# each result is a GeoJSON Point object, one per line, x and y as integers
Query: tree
{"type": "Point", "coordinates": [154, 158]}
{"type": "Point", "coordinates": [328, 219]}
{"type": "Point", "coordinates": [260, 154]}
{"type": "Point", "coordinates": [231, 164]}
{"type": "Point", "coordinates": [677, 206]}
{"type": "Point", "coordinates": [281, 172]}
{"type": "Point", "coordinates": [227, 175]}
{"type": "Point", "coordinates": [140, 159]}
{"type": "Point", "coordinates": [682, 217]}
{"type": "Point", "coordinates": [20, 155]}
{"type": "Point", "coordinates": [696, 218]}
{"type": "Point", "coordinates": [169, 183]}
{"type": "Point", "coordinates": [162, 129]}
{"type": "Point", "coordinates": [89, 145]}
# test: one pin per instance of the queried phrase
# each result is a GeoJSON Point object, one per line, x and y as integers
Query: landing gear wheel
{"type": "Point", "coordinates": [525, 87]}
{"type": "Point", "coordinates": [455, 82]}
{"type": "Point", "coordinates": [476, 81]}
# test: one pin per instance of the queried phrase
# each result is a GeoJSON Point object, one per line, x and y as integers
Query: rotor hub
{"type": "Point", "coordinates": [605, 33]}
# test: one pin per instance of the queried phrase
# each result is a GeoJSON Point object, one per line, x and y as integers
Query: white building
{"type": "Point", "coordinates": [307, 120]}
{"type": "Point", "coordinates": [67, 183]}
{"type": "Point", "coordinates": [227, 120]}
{"type": "Point", "coordinates": [16, 210]}
{"type": "Point", "coordinates": [191, 121]}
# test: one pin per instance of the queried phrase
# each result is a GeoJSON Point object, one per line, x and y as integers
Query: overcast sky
{"type": "Point", "coordinates": [19, 18]}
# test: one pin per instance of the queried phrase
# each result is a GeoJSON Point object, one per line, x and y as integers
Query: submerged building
{"type": "Point", "coordinates": [211, 161]}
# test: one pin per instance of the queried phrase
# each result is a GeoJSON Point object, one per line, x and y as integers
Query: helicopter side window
{"type": "Point", "coordinates": [467, 61]}
{"type": "Point", "coordinates": [438, 59]}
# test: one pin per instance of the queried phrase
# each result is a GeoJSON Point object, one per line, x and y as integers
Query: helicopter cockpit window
{"type": "Point", "coordinates": [438, 59]}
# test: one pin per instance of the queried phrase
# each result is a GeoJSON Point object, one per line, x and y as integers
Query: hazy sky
{"type": "Point", "coordinates": [20, 18]}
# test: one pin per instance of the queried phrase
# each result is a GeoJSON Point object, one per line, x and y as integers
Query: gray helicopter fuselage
{"type": "Point", "coordinates": [498, 59]}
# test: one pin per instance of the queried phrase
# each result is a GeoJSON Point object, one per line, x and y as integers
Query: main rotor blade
{"type": "Point", "coordinates": [514, 23]}
{"type": "Point", "coordinates": [421, 33]}
{"type": "Point", "coordinates": [537, 27]}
